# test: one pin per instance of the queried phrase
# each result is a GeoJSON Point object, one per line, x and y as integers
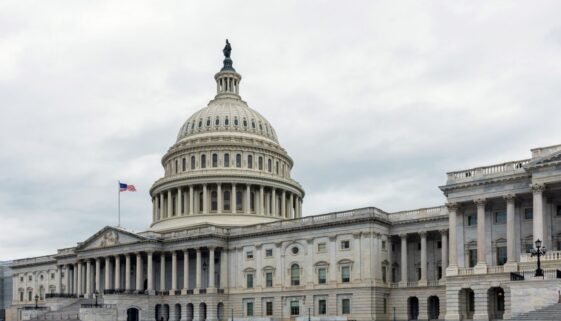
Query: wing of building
{"type": "Point", "coordinates": [228, 240]}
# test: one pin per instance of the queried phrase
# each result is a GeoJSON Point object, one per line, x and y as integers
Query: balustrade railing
{"type": "Point", "coordinates": [465, 271]}
{"type": "Point", "coordinates": [60, 295]}
{"type": "Point", "coordinates": [98, 306]}
{"type": "Point", "coordinates": [529, 275]}
{"type": "Point", "coordinates": [495, 269]}
{"type": "Point", "coordinates": [548, 256]}
{"type": "Point", "coordinates": [479, 172]}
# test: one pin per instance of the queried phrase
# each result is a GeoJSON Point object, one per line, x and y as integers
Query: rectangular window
{"type": "Point", "coordinates": [321, 247]}
{"type": "Point", "coordinates": [418, 273]}
{"type": "Point", "coordinates": [345, 245]}
{"type": "Point", "coordinates": [249, 309]}
{"type": "Point", "coordinates": [501, 255]}
{"type": "Point", "coordinates": [529, 213]}
{"type": "Point", "coordinates": [385, 305]}
{"type": "Point", "coordinates": [472, 257]}
{"type": "Point", "coordinates": [322, 276]}
{"type": "Point", "coordinates": [268, 252]}
{"type": "Point", "coordinates": [226, 160]}
{"type": "Point", "coordinates": [249, 255]}
{"type": "Point", "coordinates": [322, 306]}
{"type": "Point", "coordinates": [529, 247]}
{"type": "Point", "coordinates": [238, 160]}
{"type": "Point", "coordinates": [294, 308]}
{"type": "Point", "coordinates": [393, 247]}
{"type": "Point", "coordinates": [471, 220]}
{"type": "Point", "coordinates": [269, 279]}
{"type": "Point", "coordinates": [345, 274]}
{"type": "Point", "coordinates": [384, 278]}
{"type": "Point", "coordinates": [394, 275]}
{"type": "Point", "coordinates": [558, 210]}
{"type": "Point", "coordinates": [249, 279]}
{"type": "Point", "coordinates": [346, 306]}
{"type": "Point", "coordinates": [269, 308]}
{"type": "Point", "coordinates": [500, 217]}
{"type": "Point", "coordinates": [438, 244]}
{"type": "Point", "coordinates": [439, 272]}
{"type": "Point", "coordinates": [383, 245]}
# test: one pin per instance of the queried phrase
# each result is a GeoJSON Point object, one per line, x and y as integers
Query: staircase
{"type": "Point", "coordinates": [549, 313]}
{"type": "Point", "coordinates": [70, 312]}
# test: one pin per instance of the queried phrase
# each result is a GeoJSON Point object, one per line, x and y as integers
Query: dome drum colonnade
{"type": "Point", "coordinates": [226, 162]}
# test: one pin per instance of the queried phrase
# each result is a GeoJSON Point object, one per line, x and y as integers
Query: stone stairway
{"type": "Point", "coordinates": [549, 313]}
{"type": "Point", "coordinates": [70, 312]}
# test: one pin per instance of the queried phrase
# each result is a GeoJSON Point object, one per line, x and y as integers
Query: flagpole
{"type": "Point", "coordinates": [119, 205]}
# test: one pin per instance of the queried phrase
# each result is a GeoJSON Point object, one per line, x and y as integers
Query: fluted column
{"type": "Point", "coordinates": [107, 281]}
{"type": "Point", "coordinates": [261, 200]}
{"type": "Point", "coordinates": [173, 271]}
{"type": "Point", "coordinates": [163, 271]}
{"type": "Point", "coordinates": [211, 267]}
{"type": "Point", "coordinates": [162, 210]}
{"type": "Point", "coordinates": [139, 285]}
{"type": "Point", "coordinates": [404, 276]}
{"type": "Point", "coordinates": [248, 199]}
{"type": "Point", "coordinates": [178, 207]}
{"type": "Point", "coordinates": [170, 204]}
{"type": "Point", "coordinates": [452, 235]}
{"type": "Point", "coordinates": [75, 276]}
{"type": "Point", "coordinates": [219, 198]}
{"type": "Point", "coordinates": [150, 271]}
{"type": "Point", "coordinates": [154, 207]}
{"type": "Point", "coordinates": [117, 272]}
{"type": "Point", "coordinates": [198, 270]}
{"type": "Point", "coordinates": [273, 202]}
{"type": "Point", "coordinates": [223, 268]}
{"type": "Point", "coordinates": [291, 206]}
{"type": "Point", "coordinates": [423, 258]}
{"type": "Point", "coordinates": [185, 271]}
{"type": "Point", "coordinates": [510, 230]}
{"type": "Point", "coordinates": [481, 266]}
{"type": "Point", "coordinates": [205, 199]}
{"type": "Point", "coordinates": [191, 200]}
{"type": "Point", "coordinates": [234, 197]}
{"type": "Point", "coordinates": [128, 271]}
{"type": "Point", "coordinates": [444, 254]}
{"type": "Point", "coordinates": [283, 204]}
{"type": "Point", "coordinates": [79, 284]}
{"type": "Point", "coordinates": [97, 274]}
{"type": "Point", "coordinates": [67, 286]}
{"type": "Point", "coordinates": [88, 277]}
{"type": "Point", "coordinates": [538, 225]}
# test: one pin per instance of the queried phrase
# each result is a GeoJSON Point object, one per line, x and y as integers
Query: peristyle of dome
{"type": "Point", "coordinates": [226, 168]}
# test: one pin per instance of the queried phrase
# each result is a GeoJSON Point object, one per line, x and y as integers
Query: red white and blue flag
{"type": "Point", "coordinates": [126, 188]}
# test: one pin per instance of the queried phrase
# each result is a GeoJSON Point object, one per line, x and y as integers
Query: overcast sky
{"type": "Point", "coordinates": [375, 101]}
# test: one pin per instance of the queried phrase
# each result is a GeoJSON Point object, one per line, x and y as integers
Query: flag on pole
{"type": "Point", "coordinates": [126, 188]}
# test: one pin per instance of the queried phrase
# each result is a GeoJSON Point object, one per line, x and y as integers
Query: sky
{"type": "Point", "coordinates": [374, 100]}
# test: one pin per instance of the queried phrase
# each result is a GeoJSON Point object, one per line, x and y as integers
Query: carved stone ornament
{"type": "Point", "coordinates": [110, 238]}
{"type": "Point", "coordinates": [537, 188]}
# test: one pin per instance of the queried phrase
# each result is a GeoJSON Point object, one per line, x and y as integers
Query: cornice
{"type": "Point", "coordinates": [479, 182]}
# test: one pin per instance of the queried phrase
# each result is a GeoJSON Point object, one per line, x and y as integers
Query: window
{"type": "Point", "coordinates": [21, 296]}
{"type": "Point", "coordinates": [226, 121]}
{"type": "Point", "coordinates": [418, 273]}
{"type": "Point", "coordinates": [383, 245]}
{"type": "Point", "coordinates": [249, 280]}
{"type": "Point", "coordinates": [269, 308]}
{"type": "Point", "coordinates": [322, 275]}
{"type": "Point", "coordinates": [269, 165]}
{"type": "Point", "coordinates": [253, 124]}
{"type": "Point", "coordinates": [438, 244]}
{"type": "Point", "coordinates": [384, 277]}
{"type": "Point", "coordinates": [176, 166]}
{"type": "Point", "coordinates": [52, 276]}
{"type": "Point", "coordinates": [439, 272]}
{"type": "Point", "coordinates": [269, 279]}
{"type": "Point", "coordinates": [529, 247]}
{"type": "Point", "coordinates": [217, 121]}
{"type": "Point", "coordinates": [558, 210]}
{"type": "Point", "coordinates": [192, 162]}
{"type": "Point", "coordinates": [394, 274]}
{"type": "Point", "coordinates": [500, 217]}
{"type": "Point", "coordinates": [226, 160]}
{"type": "Point", "coordinates": [213, 201]}
{"type": "Point", "coordinates": [260, 163]}
{"type": "Point", "coordinates": [249, 161]}
{"type": "Point", "coordinates": [252, 202]}
{"type": "Point", "coordinates": [294, 250]}
{"type": "Point", "coordinates": [321, 247]}
{"type": "Point", "coordinates": [249, 309]}
{"type": "Point", "coordinates": [184, 164]}
{"type": "Point", "coordinates": [214, 160]}
{"type": "Point", "coordinates": [268, 252]}
{"type": "Point", "coordinates": [21, 278]}
{"type": "Point", "coordinates": [29, 295]}
{"type": "Point", "coordinates": [529, 213]}
{"type": "Point", "coordinates": [201, 202]}
{"type": "Point", "coordinates": [322, 306]}
{"type": "Point", "coordinates": [238, 160]}
{"type": "Point", "coordinates": [277, 167]}
{"type": "Point", "coordinates": [208, 122]}
{"type": "Point", "coordinates": [345, 245]}
{"type": "Point", "coordinates": [393, 247]}
{"type": "Point", "coordinates": [295, 275]}
{"type": "Point", "coordinates": [236, 121]}
{"type": "Point", "coordinates": [472, 257]}
{"type": "Point", "coordinates": [30, 278]}
{"type": "Point", "coordinates": [239, 203]}
{"type": "Point", "coordinates": [203, 161]}
{"type": "Point", "coordinates": [244, 123]}
{"type": "Point", "coordinates": [471, 220]}
{"type": "Point", "coordinates": [249, 255]}
{"type": "Point", "coordinates": [294, 308]}
{"type": "Point", "coordinates": [226, 200]}
{"type": "Point", "coordinates": [345, 274]}
{"type": "Point", "coordinates": [385, 305]}
{"type": "Point", "coordinates": [471, 301]}
{"type": "Point", "coordinates": [501, 255]}
{"type": "Point", "coordinates": [346, 306]}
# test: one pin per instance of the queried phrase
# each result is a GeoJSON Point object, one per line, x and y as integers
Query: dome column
{"type": "Point", "coordinates": [170, 205]}
{"type": "Point", "coordinates": [261, 200]}
{"type": "Point", "coordinates": [178, 206]}
{"type": "Point", "coordinates": [219, 197]}
{"type": "Point", "coordinates": [248, 199]}
{"type": "Point", "coordinates": [283, 204]}
{"type": "Point", "coordinates": [205, 199]}
{"type": "Point", "coordinates": [191, 200]}
{"type": "Point", "coordinates": [291, 206]}
{"type": "Point", "coordinates": [273, 202]}
{"type": "Point", "coordinates": [161, 206]}
{"type": "Point", "coordinates": [234, 197]}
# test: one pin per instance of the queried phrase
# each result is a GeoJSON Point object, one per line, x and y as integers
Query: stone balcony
{"type": "Point", "coordinates": [487, 172]}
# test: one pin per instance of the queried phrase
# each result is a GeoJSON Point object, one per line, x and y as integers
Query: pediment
{"type": "Point", "coordinates": [109, 237]}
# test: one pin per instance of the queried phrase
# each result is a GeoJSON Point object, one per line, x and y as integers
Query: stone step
{"type": "Point", "coordinates": [549, 313]}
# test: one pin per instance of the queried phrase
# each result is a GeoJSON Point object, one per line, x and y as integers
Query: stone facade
{"type": "Point", "coordinates": [228, 239]}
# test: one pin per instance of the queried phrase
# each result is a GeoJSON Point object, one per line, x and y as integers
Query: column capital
{"type": "Point", "coordinates": [403, 235]}
{"type": "Point", "coordinates": [537, 188]}
{"type": "Point", "coordinates": [453, 206]}
{"type": "Point", "coordinates": [509, 197]}
{"type": "Point", "coordinates": [443, 231]}
{"type": "Point", "coordinates": [423, 233]}
{"type": "Point", "coordinates": [480, 201]}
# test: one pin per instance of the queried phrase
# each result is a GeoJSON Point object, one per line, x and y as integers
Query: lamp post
{"type": "Point", "coordinates": [95, 297]}
{"type": "Point", "coordinates": [538, 251]}
{"type": "Point", "coordinates": [36, 301]}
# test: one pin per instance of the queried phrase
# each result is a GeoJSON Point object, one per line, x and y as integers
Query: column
{"type": "Point", "coordinates": [59, 279]}
{"type": "Point", "coordinates": [223, 268]}
{"type": "Point", "coordinates": [170, 205]}
{"type": "Point", "coordinates": [128, 272]}
{"type": "Point", "coordinates": [185, 271]}
{"type": "Point", "coordinates": [97, 275]}
{"type": "Point", "coordinates": [481, 266]}
{"type": "Point", "coordinates": [88, 277]}
{"type": "Point", "coordinates": [150, 271]}
{"type": "Point", "coordinates": [178, 207]}
{"type": "Point", "coordinates": [107, 283]}
{"type": "Point", "coordinates": [205, 199]}
{"type": "Point", "coordinates": [198, 270]}
{"type": "Point", "coordinates": [67, 283]}
{"type": "Point", "coordinates": [234, 198]}
{"type": "Point", "coordinates": [423, 280]}
{"type": "Point", "coordinates": [453, 257]}
{"type": "Point", "coordinates": [191, 200]}
{"type": "Point", "coordinates": [274, 202]}
{"type": "Point", "coordinates": [219, 197]}
{"type": "Point", "coordinates": [283, 204]}
{"type": "Point", "coordinates": [163, 271]}
{"type": "Point", "coordinates": [162, 211]}
{"type": "Point", "coordinates": [537, 190]}
{"type": "Point", "coordinates": [481, 302]}
{"type": "Point", "coordinates": [510, 233]}
{"type": "Point", "coordinates": [139, 285]}
{"type": "Point", "coordinates": [248, 199]}
{"type": "Point", "coordinates": [291, 206]}
{"type": "Point", "coordinates": [173, 271]}
{"type": "Point", "coordinates": [261, 200]}
{"type": "Point", "coordinates": [154, 213]}
{"type": "Point", "coordinates": [78, 279]}
{"type": "Point", "coordinates": [404, 277]}
{"type": "Point", "coordinates": [211, 267]}
{"type": "Point", "coordinates": [444, 255]}
{"type": "Point", "coordinates": [117, 272]}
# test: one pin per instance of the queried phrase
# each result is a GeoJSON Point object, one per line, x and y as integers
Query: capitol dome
{"type": "Point", "coordinates": [226, 167]}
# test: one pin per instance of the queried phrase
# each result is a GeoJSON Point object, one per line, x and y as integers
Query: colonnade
{"type": "Point", "coordinates": [135, 272]}
{"type": "Point", "coordinates": [424, 264]}
{"type": "Point", "coordinates": [225, 198]}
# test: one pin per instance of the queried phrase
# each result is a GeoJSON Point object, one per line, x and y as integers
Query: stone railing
{"type": "Point", "coordinates": [394, 285]}
{"type": "Point", "coordinates": [412, 284]}
{"type": "Point", "coordinates": [495, 269]}
{"type": "Point", "coordinates": [419, 214]}
{"type": "Point", "coordinates": [436, 282]}
{"type": "Point", "coordinates": [465, 271]}
{"type": "Point", "coordinates": [549, 256]}
{"type": "Point", "coordinates": [34, 260]}
{"type": "Point", "coordinates": [487, 171]}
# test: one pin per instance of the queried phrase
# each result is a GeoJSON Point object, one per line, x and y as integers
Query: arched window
{"type": "Point", "coordinates": [217, 121]}
{"type": "Point", "coordinates": [253, 124]}
{"type": "Point", "coordinates": [260, 127]}
{"type": "Point", "coordinates": [295, 274]}
{"type": "Point", "coordinates": [235, 121]}
{"type": "Point", "coordinates": [184, 164]}
{"type": "Point", "coordinates": [238, 160]}
{"type": "Point", "coordinates": [193, 126]}
{"type": "Point", "coordinates": [269, 165]}
{"type": "Point", "coordinates": [203, 161]}
{"type": "Point", "coordinates": [208, 122]}
{"type": "Point", "coordinates": [260, 163]}
{"type": "Point", "coordinates": [176, 166]}
{"type": "Point", "coordinates": [249, 161]}
{"type": "Point", "coordinates": [226, 160]}
{"type": "Point", "coordinates": [277, 165]}
{"type": "Point", "coordinates": [213, 201]}
{"type": "Point", "coordinates": [226, 200]}
{"type": "Point", "coordinates": [244, 123]}
{"type": "Point", "coordinates": [214, 160]}
{"type": "Point", "coordinates": [226, 121]}
{"type": "Point", "coordinates": [192, 162]}
{"type": "Point", "coordinates": [200, 123]}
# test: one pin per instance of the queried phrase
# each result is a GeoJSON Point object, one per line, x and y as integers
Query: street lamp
{"type": "Point", "coordinates": [36, 301]}
{"type": "Point", "coordinates": [538, 251]}
{"type": "Point", "coordinates": [95, 297]}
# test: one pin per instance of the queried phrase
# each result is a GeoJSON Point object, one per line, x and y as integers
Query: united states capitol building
{"type": "Point", "coordinates": [228, 239]}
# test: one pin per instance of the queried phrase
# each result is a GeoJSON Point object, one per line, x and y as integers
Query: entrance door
{"type": "Point", "coordinates": [132, 314]}
{"type": "Point", "coordinates": [434, 308]}
{"type": "Point", "coordinates": [413, 303]}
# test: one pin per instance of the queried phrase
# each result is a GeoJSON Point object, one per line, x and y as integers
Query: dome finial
{"type": "Point", "coordinates": [227, 60]}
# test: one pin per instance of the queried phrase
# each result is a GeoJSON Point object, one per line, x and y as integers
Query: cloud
{"type": "Point", "coordinates": [375, 101]}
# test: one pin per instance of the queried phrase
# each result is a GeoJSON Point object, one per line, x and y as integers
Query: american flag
{"type": "Point", "coordinates": [126, 188]}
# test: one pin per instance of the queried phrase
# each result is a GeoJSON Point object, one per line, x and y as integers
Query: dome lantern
{"type": "Point", "coordinates": [227, 80]}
